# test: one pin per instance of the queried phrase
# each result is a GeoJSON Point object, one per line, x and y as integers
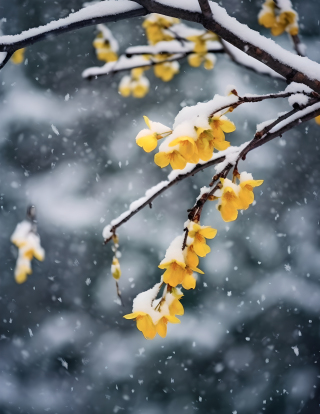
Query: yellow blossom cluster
{"type": "Point", "coordinates": [181, 148]}
{"type": "Point", "coordinates": [156, 27]}
{"type": "Point", "coordinates": [179, 265]}
{"type": "Point", "coordinates": [201, 55]}
{"type": "Point", "coordinates": [278, 19]}
{"type": "Point", "coordinates": [154, 315]}
{"type": "Point", "coordinates": [28, 243]}
{"type": "Point", "coordinates": [18, 56]}
{"type": "Point", "coordinates": [105, 45]}
{"type": "Point", "coordinates": [136, 84]}
{"type": "Point", "coordinates": [115, 267]}
{"type": "Point", "coordinates": [233, 197]}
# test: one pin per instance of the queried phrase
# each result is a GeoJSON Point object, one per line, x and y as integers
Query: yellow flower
{"type": "Point", "coordinates": [148, 138]}
{"type": "Point", "coordinates": [207, 142]}
{"type": "Point", "coordinates": [175, 272]}
{"type": "Point", "coordinates": [189, 282]}
{"type": "Point", "coordinates": [267, 16]}
{"type": "Point", "coordinates": [140, 87]}
{"type": "Point", "coordinates": [200, 44]}
{"type": "Point", "coordinates": [220, 125]}
{"type": "Point", "coordinates": [175, 306]}
{"type": "Point", "coordinates": [229, 202]}
{"type": "Point", "coordinates": [166, 71]}
{"type": "Point", "coordinates": [174, 158]}
{"type": "Point", "coordinates": [247, 184]}
{"type": "Point", "coordinates": [22, 269]}
{"type": "Point", "coordinates": [277, 19]}
{"type": "Point", "coordinates": [18, 56]}
{"type": "Point", "coordinates": [115, 269]}
{"type": "Point", "coordinates": [144, 323]}
{"type": "Point", "coordinates": [187, 148]}
{"type": "Point", "coordinates": [317, 119]}
{"type": "Point", "coordinates": [200, 234]}
{"type": "Point", "coordinates": [196, 59]}
{"type": "Point", "coordinates": [155, 25]}
{"type": "Point", "coordinates": [161, 326]}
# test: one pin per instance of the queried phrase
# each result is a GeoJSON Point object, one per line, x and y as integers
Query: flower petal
{"type": "Point", "coordinates": [162, 159]}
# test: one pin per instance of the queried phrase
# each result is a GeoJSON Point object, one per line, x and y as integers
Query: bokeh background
{"type": "Point", "coordinates": [249, 340]}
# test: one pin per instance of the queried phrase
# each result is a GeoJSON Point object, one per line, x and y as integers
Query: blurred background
{"type": "Point", "coordinates": [249, 340]}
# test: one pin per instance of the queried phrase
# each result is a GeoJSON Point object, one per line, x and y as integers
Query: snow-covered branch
{"type": "Point", "coordinates": [153, 192]}
{"type": "Point", "coordinates": [292, 67]}
{"type": "Point", "coordinates": [105, 11]}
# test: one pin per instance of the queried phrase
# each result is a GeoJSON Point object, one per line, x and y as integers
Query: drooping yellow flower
{"type": "Point", "coordinates": [175, 306]}
{"type": "Point", "coordinates": [156, 25]}
{"type": "Point", "coordinates": [317, 119]}
{"type": "Point", "coordinates": [174, 158]}
{"type": "Point", "coordinates": [22, 269]}
{"type": "Point", "coordinates": [29, 246]}
{"type": "Point", "coordinates": [267, 16]}
{"type": "Point", "coordinates": [220, 125]}
{"type": "Point", "coordinates": [187, 148]}
{"type": "Point", "coordinates": [161, 326]}
{"type": "Point", "coordinates": [278, 19]}
{"type": "Point", "coordinates": [148, 138]}
{"type": "Point", "coordinates": [200, 234]}
{"type": "Point", "coordinates": [189, 282]}
{"type": "Point", "coordinates": [247, 183]}
{"type": "Point", "coordinates": [229, 202]}
{"type": "Point", "coordinates": [207, 142]}
{"type": "Point", "coordinates": [137, 86]}
{"type": "Point", "coordinates": [115, 268]}
{"type": "Point", "coordinates": [144, 323]}
{"type": "Point", "coordinates": [18, 56]}
{"type": "Point", "coordinates": [105, 45]}
{"type": "Point", "coordinates": [166, 70]}
{"type": "Point", "coordinates": [175, 272]}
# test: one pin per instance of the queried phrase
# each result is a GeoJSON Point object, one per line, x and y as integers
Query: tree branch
{"type": "Point", "coordinates": [292, 67]}
{"type": "Point", "coordinates": [284, 123]}
{"type": "Point", "coordinates": [103, 12]}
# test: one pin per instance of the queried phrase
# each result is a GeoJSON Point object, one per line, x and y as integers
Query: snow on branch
{"type": "Point", "coordinates": [174, 177]}
{"type": "Point", "coordinates": [105, 11]}
{"type": "Point", "coordinates": [292, 67]}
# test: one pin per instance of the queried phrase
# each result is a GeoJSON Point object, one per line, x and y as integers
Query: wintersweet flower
{"type": "Point", "coordinates": [200, 234]}
{"type": "Point", "coordinates": [152, 315]}
{"type": "Point", "coordinates": [29, 246]}
{"type": "Point", "coordinates": [207, 142]}
{"type": "Point", "coordinates": [175, 272]}
{"type": "Point", "coordinates": [173, 301]}
{"type": "Point", "coordinates": [161, 326]}
{"type": "Point", "coordinates": [115, 268]}
{"type": "Point", "coordinates": [278, 19]}
{"type": "Point", "coordinates": [155, 25]}
{"type": "Point", "coordinates": [247, 183]}
{"type": "Point", "coordinates": [317, 119]}
{"type": "Point", "coordinates": [187, 148]}
{"type": "Point", "coordinates": [166, 70]}
{"type": "Point", "coordinates": [189, 282]}
{"type": "Point", "coordinates": [174, 158]}
{"type": "Point", "coordinates": [144, 323]}
{"type": "Point", "coordinates": [18, 56]}
{"type": "Point", "coordinates": [229, 201]}
{"type": "Point", "coordinates": [148, 138]}
{"type": "Point", "coordinates": [174, 263]}
{"type": "Point", "coordinates": [220, 124]}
